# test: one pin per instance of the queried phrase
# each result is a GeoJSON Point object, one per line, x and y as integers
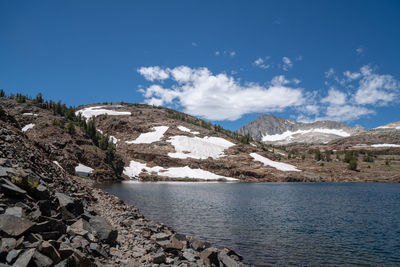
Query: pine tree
{"type": "Point", "coordinates": [71, 128]}
{"type": "Point", "coordinates": [2, 93]}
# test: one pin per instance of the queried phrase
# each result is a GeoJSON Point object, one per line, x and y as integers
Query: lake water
{"type": "Point", "coordinates": [302, 224]}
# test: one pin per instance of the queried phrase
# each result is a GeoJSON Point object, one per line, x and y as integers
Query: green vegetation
{"type": "Point", "coordinates": [352, 164]}
{"type": "Point", "coordinates": [71, 128]}
{"type": "Point", "coordinates": [2, 93]}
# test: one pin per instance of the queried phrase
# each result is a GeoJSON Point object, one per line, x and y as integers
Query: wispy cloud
{"type": "Point", "coordinates": [261, 63]}
{"type": "Point", "coordinates": [360, 51]}
{"type": "Point", "coordinates": [218, 96]}
{"type": "Point", "coordinates": [194, 44]}
{"type": "Point", "coordinates": [287, 63]}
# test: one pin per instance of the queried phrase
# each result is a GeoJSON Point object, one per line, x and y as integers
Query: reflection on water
{"type": "Point", "coordinates": [280, 223]}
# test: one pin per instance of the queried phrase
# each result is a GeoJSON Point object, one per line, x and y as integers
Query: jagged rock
{"type": "Point", "coordinates": [4, 171]}
{"type": "Point", "coordinates": [7, 244]}
{"type": "Point", "coordinates": [98, 250]}
{"type": "Point", "coordinates": [41, 260]}
{"type": "Point", "coordinates": [79, 242]}
{"type": "Point", "coordinates": [190, 255]}
{"type": "Point", "coordinates": [227, 260]}
{"type": "Point", "coordinates": [50, 251]}
{"type": "Point", "coordinates": [159, 258]}
{"type": "Point", "coordinates": [40, 192]}
{"type": "Point", "coordinates": [14, 226]}
{"type": "Point", "coordinates": [160, 237]}
{"type": "Point", "coordinates": [10, 189]}
{"type": "Point", "coordinates": [12, 255]}
{"type": "Point", "coordinates": [45, 207]}
{"type": "Point", "coordinates": [73, 206]}
{"type": "Point", "coordinates": [210, 256]}
{"type": "Point", "coordinates": [15, 211]}
{"type": "Point", "coordinates": [199, 245]}
{"type": "Point", "coordinates": [65, 251]}
{"type": "Point", "coordinates": [105, 231]}
{"type": "Point", "coordinates": [178, 241]}
{"type": "Point", "coordinates": [25, 258]}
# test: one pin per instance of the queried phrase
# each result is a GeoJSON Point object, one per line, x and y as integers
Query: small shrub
{"type": "Point", "coordinates": [352, 164]}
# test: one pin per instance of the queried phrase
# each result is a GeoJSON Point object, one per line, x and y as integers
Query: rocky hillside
{"type": "Point", "coordinates": [275, 130]}
{"type": "Point", "coordinates": [110, 142]}
{"type": "Point", "coordinates": [51, 218]}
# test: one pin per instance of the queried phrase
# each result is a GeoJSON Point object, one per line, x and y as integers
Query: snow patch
{"type": "Point", "coordinates": [112, 138]}
{"type": "Point", "coordinates": [385, 145]}
{"type": "Point", "coordinates": [277, 165]}
{"type": "Point", "coordinates": [27, 127]}
{"type": "Point", "coordinates": [83, 170]}
{"type": "Point", "coordinates": [29, 114]}
{"type": "Point", "coordinates": [135, 168]}
{"type": "Point", "coordinates": [184, 129]}
{"type": "Point", "coordinates": [289, 135]}
{"type": "Point", "coordinates": [58, 164]}
{"type": "Point", "coordinates": [150, 137]}
{"type": "Point", "coordinates": [99, 110]}
{"type": "Point", "coordinates": [198, 148]}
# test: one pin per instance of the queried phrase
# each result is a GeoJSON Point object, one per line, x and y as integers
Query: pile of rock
{"type": "Point", "coordinates": [42, 227]}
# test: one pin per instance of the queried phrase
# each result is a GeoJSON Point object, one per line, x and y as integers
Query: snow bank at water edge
{"type": "Point", "coordinates": [27, 127]}
{"type": "Point", "coordinates": [150, 137]}
{"type": "Point", "coordinates": [277, 165]}
{"type": "Point", "coordinates": [288, 135]}
{"type": "Point", "coordinates": [135, 168]}
{"type": "Point", "coordinates": [112, 138]}
{"type": "Point", "coordinates": [83, 170]}
{"type": "Point", "coordinates": [99, 110]}
{"type": "Point", "coordinates": [198, 148]}
{"type": "Point", "coordinates": [184, 129]}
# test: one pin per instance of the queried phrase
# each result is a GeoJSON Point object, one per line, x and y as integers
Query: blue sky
{"type": "Point", "coordinates": [225, 61]}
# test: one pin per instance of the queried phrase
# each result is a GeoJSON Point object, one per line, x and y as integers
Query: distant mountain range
{"type": "Point", "coordinates": [275, 130]}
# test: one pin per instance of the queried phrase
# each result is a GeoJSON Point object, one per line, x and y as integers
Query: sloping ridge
{"type": "Point", "coordinates": [270, 128]}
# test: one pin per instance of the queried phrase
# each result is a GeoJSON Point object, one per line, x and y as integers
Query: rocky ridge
{"type": "Point", "coordinates": [271, 129]}
{"type": "Point", "coordinates": [51, 218]}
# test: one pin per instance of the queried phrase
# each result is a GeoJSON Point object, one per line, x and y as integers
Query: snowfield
{"type": "Point", "coordinates": [288, 135]}
{"type": "Point", "coordinates": [135, 168]}
{"type": "Point", "coordinates": [112, 138]}
{"type": "Point", "coordinates": [27, 127]}
{"type": "Point", "coordinates": [198, 148]}
{"type": "Point", "coordinates": [83, 170]}
{"type": "Point", "coordinates": [184, 129]}
{"type": "Point", "coordinates": [150, 137]}
{"type": "Point", "coordinates": [99, 110]}
{"type": "Point", "coordinates": [277, 165]}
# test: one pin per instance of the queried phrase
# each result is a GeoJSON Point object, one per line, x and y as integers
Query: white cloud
{"type": "Point", "coordinates": [345, 112]}
{"type": "Point", "coordinates": [360, 51]}
{"type": "Point", "coordinates": [217, 53]}
{"type": "Point", "coordinates": [261, 63]}
{"type": "Point", "coordinates": [153, 73]}
{"type": "Point", "coordinates": [329, 73]}
{"type": "Point", "coordinates": [375, 89]}
{"type": "Point", "coordinates": [287, 63]}
{"type": "Point", "coordinates": [351, 76]}
{"type": "Point", "coordinates": [299, 58]}
{"type": "Point", "coordinates": [194, 44]}
{"type": "Point", "coordinates": [221, 97]}
{"type": "Point", "coordinates": [334, 97]}
{"type": "Point", "coordinates": [232, 53]}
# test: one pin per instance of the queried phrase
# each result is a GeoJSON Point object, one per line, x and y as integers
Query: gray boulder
{"type": "Point", "coordinates": [104, 230]}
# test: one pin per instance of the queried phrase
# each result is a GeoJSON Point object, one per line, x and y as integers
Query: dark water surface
{"type": "Point", "coordinates": [306, 224]}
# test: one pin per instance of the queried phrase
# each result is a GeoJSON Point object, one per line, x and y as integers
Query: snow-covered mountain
{"type": "Point", "coordinates": [391, 126]}
{"type": "Point", "coordinates": [276, 130]}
